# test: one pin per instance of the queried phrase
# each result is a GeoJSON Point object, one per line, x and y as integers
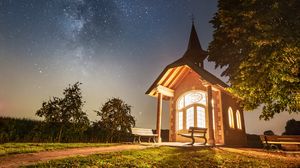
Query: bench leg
{"type": "Point", "coordinates": [134, 139]}
{"type": "Point", "coordinates": [154, 141]}
{"type": "Point", "coordinates": [140, 139]}
{"type": "Point", "coordinates": [268, 146]}
{"type": "Point", "coordinates": [205, 141]}
{"type": "Point", "coordinates": [265, 146]}
{"type": "Point", "coordinates": [193, 141]}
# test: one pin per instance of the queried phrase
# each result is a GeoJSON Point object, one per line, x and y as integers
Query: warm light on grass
{"type": "Point", "coordinates": [173, 157]}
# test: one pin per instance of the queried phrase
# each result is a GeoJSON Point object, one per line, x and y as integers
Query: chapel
{"type": "Point", "coordinates": [197, 98]}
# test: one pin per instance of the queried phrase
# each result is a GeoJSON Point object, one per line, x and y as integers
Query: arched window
{"type": "Point", "coordinates": [230, 117]}
{"type": "Point", "coordinates": [191, 108]}
{"type": "Point", "coordinates": [238, 119]}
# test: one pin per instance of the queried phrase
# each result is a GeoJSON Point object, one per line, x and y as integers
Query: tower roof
{"type": "Point", "coordinates": [194, 52]}
{"type": "Point", "coordinates": [194, 42]}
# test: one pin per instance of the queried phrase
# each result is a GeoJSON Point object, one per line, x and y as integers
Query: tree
{"type": "Point", "coordinates": [292, 127]}
{"type": "Point", "coordinates": [66, 113]}
{"type": "Point", "coordinates": [257, 42]}
{"type": "Point", "coordinates": [115, 118]}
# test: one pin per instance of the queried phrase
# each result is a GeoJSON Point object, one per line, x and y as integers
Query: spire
{"type": "Point", "coordinates": [194, 40]}
{"type": "Point", "coordinates": [194, 52]}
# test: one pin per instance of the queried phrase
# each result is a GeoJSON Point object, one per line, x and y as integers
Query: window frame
{"type": "Point", "coordinates": [238, 120]}
{"type": "Point", "coordinates": [185, 108]}
{"type": "Point", "coordinates": [183, 98]}
{"type": "Point", "coordinates": [230, 118]}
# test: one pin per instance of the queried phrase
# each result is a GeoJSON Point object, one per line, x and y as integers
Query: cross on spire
{"type": "Point", "coordinates": [192, 18]}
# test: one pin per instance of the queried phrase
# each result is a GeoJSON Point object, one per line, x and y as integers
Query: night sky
{"type": "Point", "coordinates": [116, 48]}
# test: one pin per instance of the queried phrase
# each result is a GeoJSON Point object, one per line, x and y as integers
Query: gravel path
{"type": "Point", "coordinates": [32, 158]}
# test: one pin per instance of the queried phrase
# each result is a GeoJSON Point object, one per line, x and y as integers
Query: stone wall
{"type": "Point", "coordinates": [218, 117]}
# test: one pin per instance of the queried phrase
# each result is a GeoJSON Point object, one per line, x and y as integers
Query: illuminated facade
{"type": "Point", "coordinates": [198, 98]}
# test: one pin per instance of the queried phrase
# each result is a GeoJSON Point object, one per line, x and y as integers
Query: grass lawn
{"type": "Point", "coordinates": [173, 157]}
{"type": "Point", "coordinates": [15, 148]}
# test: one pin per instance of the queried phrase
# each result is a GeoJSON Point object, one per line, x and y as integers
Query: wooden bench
{"type": "Point", "coordinates": [274, 141]}
{"type": "Point", "coordinates": [143, 132]}
{"type": "Point", "coordinates": [196, 132]}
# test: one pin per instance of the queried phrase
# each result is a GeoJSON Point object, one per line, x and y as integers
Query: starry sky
{"type": "Point", "coordinates": [116, 48]}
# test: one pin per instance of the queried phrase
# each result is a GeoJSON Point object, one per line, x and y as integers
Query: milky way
{"type": "Point", "coordinates": [114, 47]}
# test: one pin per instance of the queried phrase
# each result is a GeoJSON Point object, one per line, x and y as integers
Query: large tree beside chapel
{"type": "Point", "coordinates": [258, 44]}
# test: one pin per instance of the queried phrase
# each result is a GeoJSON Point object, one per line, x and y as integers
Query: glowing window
{"type": "Point", "coordinates": [180, 120]}
{"type": "Point", "coordinates": [200, 117]}
{"type": "Point", "coordinates": [194, 97]}
{"type": "Point", "coordinates": [230, 118]}
{"type": "Point", "coordinates": [190, 110]}
{"type": "Point", "coordinates": [238, 119]}
{"type": "Point", "coordinates": [190, 117]}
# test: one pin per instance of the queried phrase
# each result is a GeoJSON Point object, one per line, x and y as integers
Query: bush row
{"type": "Point", "coordinates": [27, 130]}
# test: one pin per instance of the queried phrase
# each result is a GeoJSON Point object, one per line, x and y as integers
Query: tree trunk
{"type": "Point", "coordinates": [60, 133]}
{"type": "Point", "coordinates": [111, 136]}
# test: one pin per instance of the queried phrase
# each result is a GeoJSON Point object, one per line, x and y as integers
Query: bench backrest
{"type": "Point", "coordinates": [141, 131]}
{"type": "Point", "coordinates": [197, 130]}
{"type": "Point", "coordinates": [283, 138]}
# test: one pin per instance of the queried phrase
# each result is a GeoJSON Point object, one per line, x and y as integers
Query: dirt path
{"type": "Point", "coordinates": [32, 158]}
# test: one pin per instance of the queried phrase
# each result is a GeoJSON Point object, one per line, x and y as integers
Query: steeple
{"type": "Point", "coordinates": [194, 40]}
{"type": "Point", "coordinates": [194, 52]}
